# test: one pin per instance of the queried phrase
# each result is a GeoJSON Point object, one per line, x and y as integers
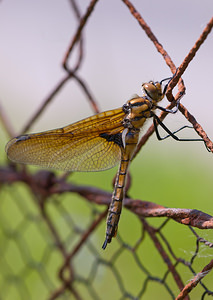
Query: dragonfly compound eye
{"type": "Point", "coordinates": [153, 90]}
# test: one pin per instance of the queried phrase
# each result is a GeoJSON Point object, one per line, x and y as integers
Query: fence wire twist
{"type": "Point", "coordinates": [68, 262]}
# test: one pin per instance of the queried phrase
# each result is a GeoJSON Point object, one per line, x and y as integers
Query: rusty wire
{"type": "Point", "coordinates": [45, 189]}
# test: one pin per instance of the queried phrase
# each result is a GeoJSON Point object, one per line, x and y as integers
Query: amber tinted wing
{"type": "Point", "coordinates": [81, 146]}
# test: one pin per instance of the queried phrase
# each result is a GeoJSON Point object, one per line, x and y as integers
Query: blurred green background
{"type": "Point", "coordinates": [34, 37]}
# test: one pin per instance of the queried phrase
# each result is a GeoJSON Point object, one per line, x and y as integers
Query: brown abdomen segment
{"type": "Point", "coordinates": [131, 140]}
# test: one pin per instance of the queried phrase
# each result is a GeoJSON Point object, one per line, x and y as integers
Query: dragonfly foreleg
{"type": "Point", "coordinates": [171, 111]}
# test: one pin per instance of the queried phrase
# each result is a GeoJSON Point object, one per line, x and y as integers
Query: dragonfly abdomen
{"type": "Point", "coordinates": [116, 203]}
{"type": "Point", "coordinates": [115, 208]}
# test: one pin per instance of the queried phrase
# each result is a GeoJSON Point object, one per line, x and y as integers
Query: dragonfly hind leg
{"type": "Point", "coordinates": [157, 121]}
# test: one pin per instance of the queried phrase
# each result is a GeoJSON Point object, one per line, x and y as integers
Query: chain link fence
{"type": "Point", "coordinates": [52, 228]}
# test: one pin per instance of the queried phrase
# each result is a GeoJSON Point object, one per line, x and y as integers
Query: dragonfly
{"type": "Point", "coordinates": [96, 143]}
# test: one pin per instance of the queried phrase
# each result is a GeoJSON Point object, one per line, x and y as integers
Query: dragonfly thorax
{"type": "Point", "coordinates": [138, 109]}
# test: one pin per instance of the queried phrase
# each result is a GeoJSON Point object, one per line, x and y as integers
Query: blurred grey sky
{"type": "Point", "coordinates": [118, 57]}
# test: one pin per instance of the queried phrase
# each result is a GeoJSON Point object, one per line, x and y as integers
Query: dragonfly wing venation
{"type": "Point", "coordinates": [106, 121]}
{"type": "Point", "coordinates": [63, 153]}
{"type": "Point", "coordinates": [76, 147]}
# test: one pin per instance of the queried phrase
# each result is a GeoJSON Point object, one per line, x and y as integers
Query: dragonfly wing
{"type": "Point", "coordinates": [63, 153]}
{"type": "Point", "coordinates": [73, 148]}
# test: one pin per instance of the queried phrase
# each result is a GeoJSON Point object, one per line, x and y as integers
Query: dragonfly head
{"type": "Point", "coordinates": [153, 90]}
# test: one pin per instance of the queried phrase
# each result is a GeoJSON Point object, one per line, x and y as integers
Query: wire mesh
{"type": "Point", "coordinates": [50, 247]}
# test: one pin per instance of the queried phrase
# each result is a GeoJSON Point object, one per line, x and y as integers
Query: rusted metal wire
{"type": "Point", "coordinates": [193, 283]}
{"type": "Point", "coordinates": [46, 189]}
{"type": "Point", "coordinates": [77, 36]}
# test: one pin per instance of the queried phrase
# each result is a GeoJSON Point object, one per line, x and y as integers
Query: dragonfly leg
{"type": "Point", "coordinates": [157, 121]}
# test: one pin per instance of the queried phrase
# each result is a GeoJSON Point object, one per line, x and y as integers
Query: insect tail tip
{"type": "Point", "coordinates": [104, 244]}
{"type": "Point", "coordinates": [107, 240]}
